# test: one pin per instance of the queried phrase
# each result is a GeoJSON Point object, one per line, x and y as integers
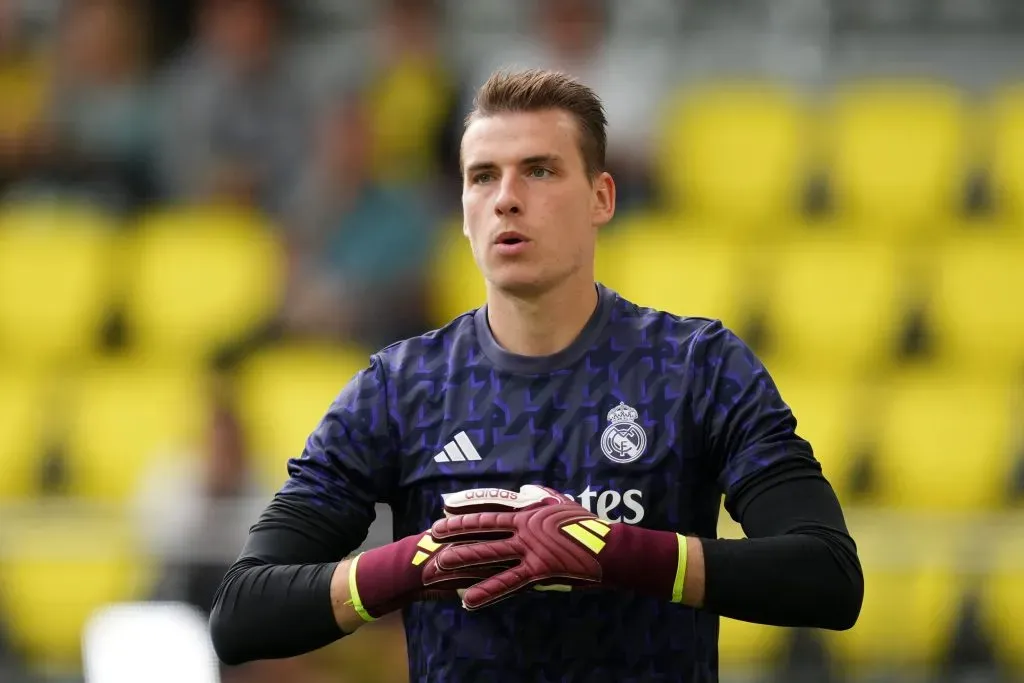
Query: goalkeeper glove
{"type": "Point", "coordinates": [390, 577]}
{"type": "Point", "coordinates": [538, 537]}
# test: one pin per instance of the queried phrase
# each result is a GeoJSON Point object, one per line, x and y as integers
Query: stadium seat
{"type": "Point", "coordinates": [123, 414]}
{"type": "Point", "coordinates": [911, 595]}
{"type": "Point", "coordinates": [746, 646]}
{"type": "Point", "coordinates": [198, 278]}
{"type": "Point", "coordinates": [1003, 599]}
{"type": "Point", "coordinates": [897, 153]}
{"type": "Point", "coordinates": [827, 415]}
{"type": "Point", "coordinates": [456, 283]}
{"type": "Point", "coordinates": [54, 573]}
{"type": "Point", "coordinates": [736, 154]}
{"type": "Point", "coordinates": [23, 412]}
{"type": "Point", "coordinates": [835, 305]}
{"type": "Point", "coordinates": [976, 313]}
{"type": "Point", "coordinates": [283, 394]}
{"type": "Point", "coordinates": [657, 262]}
{"type": "Point", "coordinates": [56, 282]}
{"type": "Point", "coordinates": [1005, 151]}
{"type": "Point", "coordinates": [944, 443]}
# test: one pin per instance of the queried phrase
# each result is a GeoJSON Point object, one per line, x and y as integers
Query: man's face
{"type": "Point", "coordinates": [531, 211]}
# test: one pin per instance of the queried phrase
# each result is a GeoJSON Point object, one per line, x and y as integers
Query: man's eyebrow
{"type": "Point", "coordinates": [540, 159]}
{"type": "Point", "coordinates": [481, 166]}
{"type": "Point", "coordinates": [527, 161]}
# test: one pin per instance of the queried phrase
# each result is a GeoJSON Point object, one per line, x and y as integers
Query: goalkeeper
{"type": "Point", "coordinates": [555, 460]}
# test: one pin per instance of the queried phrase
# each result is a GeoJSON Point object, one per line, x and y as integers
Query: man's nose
{"type": "Point", "coordinates": [509, 201]}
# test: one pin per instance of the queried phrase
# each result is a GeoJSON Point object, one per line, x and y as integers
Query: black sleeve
{"type": "Point", "coordinates": [275, 600]}
{"type": "Point", "coordinates": [798, 565]}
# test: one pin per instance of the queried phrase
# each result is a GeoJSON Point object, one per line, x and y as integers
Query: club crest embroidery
{"type": "Point", "coordinates": [623, 439]}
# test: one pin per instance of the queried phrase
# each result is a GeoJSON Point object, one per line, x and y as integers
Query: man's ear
{"type": "Point", "coordinates": [604, 199]}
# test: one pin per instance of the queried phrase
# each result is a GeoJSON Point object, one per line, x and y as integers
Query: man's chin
{"type": "Point", "coordinates": [520, 285]}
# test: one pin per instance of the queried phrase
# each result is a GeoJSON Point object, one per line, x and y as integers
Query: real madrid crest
{"type": "Point", "coordinates": [623, 439]}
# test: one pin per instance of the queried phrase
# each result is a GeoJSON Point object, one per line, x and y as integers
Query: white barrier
{"type": "Point", "coordinates": [152, 642]}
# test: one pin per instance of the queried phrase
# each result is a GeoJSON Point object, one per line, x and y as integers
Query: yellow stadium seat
{"type": "Point", "coordinates": [122, 414]}
{"type": "Point", "coordinates": [944, 443]}
{"type": "Point", "coordinates": [1005, 150]}
{"type": "Point", "coordinates": [657, 262]}
{"type": "Point", "coordinates": [23, 414]}
{"type": "Point", "coordinates": [976, 310]}
{"type": "Point", "coordinates": [897, 153]}
{"type": "Point", "coordinates": [911, 595]}
{"type": "Point", "coordinates": [457, 285]}
{"type": "Point", "coordinates": [56, 282]}
{"type": "Point", "coordinates": [198, 278]}
{"type": "Point", "coordinates": [1003, 599]}
{"type": "Point", "coordinates": [284, 392]}
{"type": "Point", "coordinates": [745, 646]}
{"type": "Point", "coordinates": [54, 573]}
{"type": "Point", "coordinates": [835, 305]}
{"type": "Point", "coordinates": [736, 153]}
{"type": "Point", "coordinates": [827, 415]}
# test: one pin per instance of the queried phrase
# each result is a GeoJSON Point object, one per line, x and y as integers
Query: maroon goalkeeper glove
{"type": "Point", "coordinates": [539, 538]}
{"type": "Point", "coordinates": [388, 578]}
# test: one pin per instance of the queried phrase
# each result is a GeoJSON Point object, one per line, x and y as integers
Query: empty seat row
{"type": "Point", "coordinates": [114, 418]}
{"type": "Point", "coordinates": [930, 441]}
{"type": "Point", "coordinates": [187, 280]}
{"type": "Point", "coordinates": [898, 152]}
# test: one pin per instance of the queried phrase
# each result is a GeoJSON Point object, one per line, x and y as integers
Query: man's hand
{"type": "Point", "coordinates": [538, 537]}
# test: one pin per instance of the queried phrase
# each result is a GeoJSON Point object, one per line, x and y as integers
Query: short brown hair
{"type": "Point", "coordinates": [538, 90]}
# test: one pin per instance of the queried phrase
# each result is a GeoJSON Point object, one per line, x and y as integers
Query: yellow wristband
{"type": "Point", "coordinates": [353, 591]}
{"type": "Point", "coordinates": [677, 585]}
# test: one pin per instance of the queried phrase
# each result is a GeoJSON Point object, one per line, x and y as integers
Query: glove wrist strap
{"type": "Point", "coordinates": [385, 579]}
{"type": "Point", "coordinates": [645, 561]}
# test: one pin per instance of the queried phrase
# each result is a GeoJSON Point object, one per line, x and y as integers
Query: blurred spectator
{"type": "Point", "coordinates": [232, 114]}
{"type": "Point", "coordinates": [195, 509]}
{"type": "Point", "coordinates": [11, 665]}
{"type": "Point", "coordinates": [412, 93]}
{"type": "Point", "coordinates": [573, 35]}
{"type": "Point", "coordinates": [358, 244]}
{"type": "Point", "coordinates": [94, 136]}
{"type": "Point", "coordinates": [23, 85]}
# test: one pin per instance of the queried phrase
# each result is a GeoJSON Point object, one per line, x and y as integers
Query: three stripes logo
{"type": "Point", "coordinates": [589, 532]}
{"type": "Point", "coordinates": [427, 547]}
{"type": "Point", "coordinates": [459, 449]}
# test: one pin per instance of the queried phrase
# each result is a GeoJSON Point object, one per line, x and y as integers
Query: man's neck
{"type": "Point", "coordinates": [544, 325]}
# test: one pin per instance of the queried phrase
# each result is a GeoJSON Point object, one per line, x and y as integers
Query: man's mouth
{"type": "Point", "coordinates": [510, 237]}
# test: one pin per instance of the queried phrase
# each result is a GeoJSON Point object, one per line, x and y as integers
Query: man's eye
{"type": "Point", "coordinates": [539, 172]}
{"type": "Point", "coordinates": [482, 178]}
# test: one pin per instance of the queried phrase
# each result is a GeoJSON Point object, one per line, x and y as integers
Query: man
{"type": "Point", "coordinates": [645, 418]}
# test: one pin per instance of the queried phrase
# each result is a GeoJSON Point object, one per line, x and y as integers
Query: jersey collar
{"type": "Point", "coordinates": [511, 362]}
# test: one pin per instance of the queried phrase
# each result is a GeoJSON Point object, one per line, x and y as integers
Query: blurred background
{"type": "Point", "coordinates": [211, 211]}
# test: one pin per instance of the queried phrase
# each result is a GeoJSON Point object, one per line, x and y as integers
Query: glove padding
{"type": "Point", "coordinates": [537, 537]}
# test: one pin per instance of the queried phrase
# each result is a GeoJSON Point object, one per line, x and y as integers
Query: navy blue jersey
{"type": "Point", "coordinates": [648, 418]}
